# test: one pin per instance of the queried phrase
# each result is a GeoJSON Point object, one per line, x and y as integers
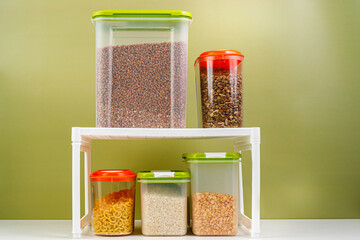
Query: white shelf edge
{"type": "Point", "coordinates": [80, 134]}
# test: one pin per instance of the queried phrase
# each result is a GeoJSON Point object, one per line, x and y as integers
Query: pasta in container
{"type": "Point", "coordinates": [113, 202]}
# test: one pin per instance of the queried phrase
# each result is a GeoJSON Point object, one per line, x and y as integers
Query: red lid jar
{"type": "Point", "coordinates": [225, 59]}
{"type": "Point", "coordinates": [219, 88]}
{"type": "Point", "coordinates": [113, 201]}
{"type": "Point", "coordinates": [113, 175]}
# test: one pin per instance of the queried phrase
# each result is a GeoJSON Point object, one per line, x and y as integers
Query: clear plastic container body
{"type": "Point", "coordinates": [164, 207]}
{"type": "Point", "coordinates": [113, 205]}
{"type": "Point", "coordinates": [219, 89]}
{"type": "Point", "coordinates": [141, 71]}
{"type": "Point", "coordinates": [214, 193]}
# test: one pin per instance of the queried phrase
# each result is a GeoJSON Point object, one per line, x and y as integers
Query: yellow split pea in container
{"type": "Point", "coordinates": [214, 192]}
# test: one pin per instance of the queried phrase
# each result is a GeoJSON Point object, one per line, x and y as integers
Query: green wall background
{"type": "Point", "coordinates": [302, 87]}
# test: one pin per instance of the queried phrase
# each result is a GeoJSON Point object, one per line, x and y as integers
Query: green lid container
{"type": "Point", "coordinates": [212, 157]}
{"type": "Point", "coordinates": [163, 176]}
{"type": "Point", "coordinates": [139, 14]}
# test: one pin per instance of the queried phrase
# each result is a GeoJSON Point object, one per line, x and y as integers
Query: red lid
{"type": "Point", "coordinates": [113, 175]}
{"type": "Point", "coordinates": [224, 57]}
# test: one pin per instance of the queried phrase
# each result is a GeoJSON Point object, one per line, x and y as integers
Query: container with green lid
{"type": "Point", "coordinates": [163, 176]}
{"type": "Point", "coordinates": [222, 157]}
{"type": "Point", "coordinates": [214, 192]}
{"type": "Point", "coordinates": [141, 68]}
{"type": "Point", "coordinates": [163, 202]}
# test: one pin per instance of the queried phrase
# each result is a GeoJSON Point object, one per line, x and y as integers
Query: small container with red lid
{"type": "Point", "coordinates": [219, 88]}
{"type": "Point", "coordinates": [113, 201]}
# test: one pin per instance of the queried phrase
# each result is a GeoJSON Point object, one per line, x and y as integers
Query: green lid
{"type": "Point", "coordinates": [212, 157]}
{"type": "Point", "coordinates": [141, 14]}
{"type": "Point", "coordinates": [163, 174]}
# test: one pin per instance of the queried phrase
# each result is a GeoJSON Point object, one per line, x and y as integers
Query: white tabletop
{"type": "Point", "coordinates": [270, 229]}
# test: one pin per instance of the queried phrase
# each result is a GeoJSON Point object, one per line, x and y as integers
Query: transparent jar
{"type": "Point", "coordinates": [113, 202]}
{"type": "Point", "coordinates": [141, 68]}
{"type": "Point", "coordinates": [219, 89]}
{"type": "Point", "coordinates": [163, 202]}
{"type": "Point", "coordinates": [214, 192]}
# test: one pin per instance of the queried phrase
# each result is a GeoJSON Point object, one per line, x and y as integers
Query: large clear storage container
{"type": "Point", "coordinates": [113, 202]}
{"type": "Point", "coordinates": [163, 202]}
{"type": "Point", "coordinates": [141, 68]}
{"type": "Point", "coordinates": [214, 192]}
{"type": "Point", "coordinates": [219, 89]}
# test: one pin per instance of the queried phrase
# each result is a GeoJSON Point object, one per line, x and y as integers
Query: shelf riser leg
{"type": "Point", "coordinates": [87, 170]}
{"type": "Point", "coordinates": [255, 211]}
{"type": "Point", "coordinates": [241, 189]}
{"type": "Point", "coordinates": [76, 230]}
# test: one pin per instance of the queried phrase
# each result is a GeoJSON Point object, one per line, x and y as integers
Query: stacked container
{"type": "Point", "coordinates": [219, 89]}
{"type": "Point", "coordinates": [214, 192]}
{"type": "Point", "coordinates": [141, 71]}
{"type": "Point", "coordinates": [163, 202]}
{"type": "Point", "coordinates": [141, 68]}
{"type": "Point", "coordinates": [113, 202]}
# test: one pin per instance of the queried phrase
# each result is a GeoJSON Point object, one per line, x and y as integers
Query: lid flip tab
{"type": "Point", "coordinates": [163, 173]}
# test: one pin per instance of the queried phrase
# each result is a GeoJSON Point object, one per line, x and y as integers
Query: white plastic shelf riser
{"type": "Point", "coordinates": [244, 139]}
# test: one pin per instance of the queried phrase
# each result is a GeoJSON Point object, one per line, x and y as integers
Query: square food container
{"type": "Point", "coordinates": [141, 68]}
{"type": "Point", "coordinates": [214, 192]}
{"type": "Point", "coordinates": [163, 202]}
